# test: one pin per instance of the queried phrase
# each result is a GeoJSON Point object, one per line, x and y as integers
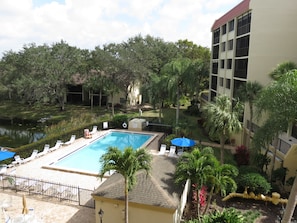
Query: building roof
{"type": "Point", "coordinates": [239, 9]}
{"type": "Point", "coordinates": [156, 189]}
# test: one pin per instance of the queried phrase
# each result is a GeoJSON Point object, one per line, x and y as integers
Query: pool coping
{"type": "Point", "coordinates": [96, 174]}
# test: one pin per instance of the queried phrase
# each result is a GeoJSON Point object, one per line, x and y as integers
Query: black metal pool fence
{"type": "Point", "coordinates": [38, 187]}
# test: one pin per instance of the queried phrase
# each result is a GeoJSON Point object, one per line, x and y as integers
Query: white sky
{"type": "Point", "coordinates": [89, 23]}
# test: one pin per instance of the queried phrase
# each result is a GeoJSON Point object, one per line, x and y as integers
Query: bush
{"type": "Point", "coordinates": [118, 120]}
{"type": "Point", "coordinates": [242, 155]}
{"type": "Point", "coordinates": [255, 183]}
{"type": "Point", "coordinates": [229, 215]}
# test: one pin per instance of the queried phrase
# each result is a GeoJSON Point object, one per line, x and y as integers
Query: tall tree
{"type": "Point", "coordinates": [196, 166]}
{"type": "Point", "coordinates": [177, 71]}
{"type": "Point", "coordinates": [127, 163]}
{"type": "Point", "coordinates": [222, 119]}
{"type": "Point", "coordinates": [249, 93]}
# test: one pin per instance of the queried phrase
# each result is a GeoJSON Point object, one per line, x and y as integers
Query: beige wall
{"type": "Point", "coordinates": [114, 212]}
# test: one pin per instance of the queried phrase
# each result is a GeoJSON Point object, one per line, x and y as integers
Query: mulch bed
{"type": "Point", "coordinates": [268, 211]}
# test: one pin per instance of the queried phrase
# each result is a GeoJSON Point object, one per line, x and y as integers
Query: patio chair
{"type": "Point", "coordinates": [162, 149]}
{"type": "Point", "coordinates": [45, 150]}
{"type": "Point", "coordinates": [180, 152]}
{"type": "Point", "coordinates": [3, 170]}
{"type": "Point", "coordinates": [72, 139]}
{"type": "Point", "coordinates": [57, 146]}
{"type": "Point", "coordinates": [33, 156]}
{"type": "Point", "coordinates": [105, 125]}
{"type": "Point", "coordinates": [94, 130]}
{"type": "Point", "coordinates": [172, 151]}
{"type": "Point", "coordinates": [17, 160]}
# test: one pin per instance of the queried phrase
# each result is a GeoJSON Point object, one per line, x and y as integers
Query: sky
{"type": "Point", "coordinates": [90, 23]}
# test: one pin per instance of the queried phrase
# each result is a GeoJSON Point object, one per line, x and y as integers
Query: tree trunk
{"type": "Point", "coordinates": [250, 124]}
{"type": "Point", "coordinates": [198, 202]}
{"type": "Point", "coordinates": [126, 200]}
{"type": "Point", "coordinates": [160, 112]}
{"type": "Point", "coordinates": [92, 99]}
{"type": "Point", "coordinates": [209, 200]}
{"type": "Point", "coordinates": [177, 106]}
{"type": "Point", "coordinates": [112, 105]}
{"type": "Point", "coordinates": [222, 143]}
{"type": "Point", "coordinates": [100, 99]}
{"type": "Point", "coordinates": [291, 205]}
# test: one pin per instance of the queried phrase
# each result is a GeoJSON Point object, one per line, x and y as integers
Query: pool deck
{"type": "Point", "coordinates": [53, 210]}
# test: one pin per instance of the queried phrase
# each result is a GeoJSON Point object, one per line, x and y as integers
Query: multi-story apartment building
{"type": "Point", "coordinates": [248, 42]}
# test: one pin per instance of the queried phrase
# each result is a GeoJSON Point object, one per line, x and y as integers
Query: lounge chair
{"type": "Point", "coordinates": [180, 152]}
{"type": "Point", "coordinates": [17, 160]}
{"type": "Point", "coordinates": [3, 170]}
{"type": "Point", "coordinates": [162, 149]}
{"type": "Point", "coordinates": [94, 130]}
{"type": "Point", "coordinates": [45, 150]}
{"type": "Point", "coordinates": [33, 156]}
{"type": "Point", "coordinates": [105, 125]}
{"type": "Point", "coordinates": [72, 139]}
{"type": "Point", "coordinates": [172, 151]}
{"type": "Point", "coordinates": [57, 146]}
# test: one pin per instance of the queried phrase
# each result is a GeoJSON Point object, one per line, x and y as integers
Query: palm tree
{"type": "Point", "coordinates": [222, 119]}
{"type": "Point", "coordinates": [282, 68]}
{"type": "Point", "coordinates": [127, 163]}
{"type": "Point", "coordinates": [197, 167]}
{"type": "Point", "coordinates": [221, 180]}
{"type": "Point", "coordinates": [249, 93]}
{"type": "Point", "coordinates": [177, 71]}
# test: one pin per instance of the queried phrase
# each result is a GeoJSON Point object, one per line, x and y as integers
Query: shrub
{"type": "Point", "coordinates": [255, 183]}
{"type": "Point", "coordinates": [229, 215]}
{"type": "Point", "coordinates": [242, 155]}
{"type": "Point", "coordinates": [118, 120]}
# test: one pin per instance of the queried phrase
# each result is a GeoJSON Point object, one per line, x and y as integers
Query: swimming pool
{"type": "Point", "coordinates": [86, 159]}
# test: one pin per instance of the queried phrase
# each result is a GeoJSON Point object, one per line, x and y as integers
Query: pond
{"type": "Point", "coordinates": [15, 135]}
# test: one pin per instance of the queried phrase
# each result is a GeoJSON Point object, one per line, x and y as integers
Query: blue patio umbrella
{"type": "Point", "coordinates": [6, 155]}
{"type": "Point", "coordinates": [183, 142]}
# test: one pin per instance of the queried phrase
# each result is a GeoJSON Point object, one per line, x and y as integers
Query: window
{"type": "Point", "coordinates": [224, 29]}
{"type": "Point", "coordinates": [229, 64]}
{"type": "Point", "coordinates": [216, 36]}
{"type": "Point", "coordinates": [215, 52]}
{"type": "Point", "coordinates": [241, 66]}
{"type": "Point", "coordinates": [230, 44]}
{"type": "Point", "coordinates": [242, 46]}
{"type": "Point", "coordinates": [223, 47]}
{"type": "Point", "coordinates": [221, 82]}
{"type": "Point", "coordinates": [228, 83]}
{"type": "Point", "coordinates": [214, 82]}
{"type": "Point", "coordinates": [231, 25]}
{"type": "Point", "coordinates": [244, 24]}
{"type": "Point", "coordinates": [215, 67]}
{"type": "Point", "coordinates": [222, 62]}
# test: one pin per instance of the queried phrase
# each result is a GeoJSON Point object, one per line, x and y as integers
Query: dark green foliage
{"type": "Point", "coordinates": [229, 215]}
{"type": "Point", "coordinates": [118, 120]}
{"type": "Point", "coordinates": [254, 182]}
{"type": "Point", "coordinates": [193, 110]}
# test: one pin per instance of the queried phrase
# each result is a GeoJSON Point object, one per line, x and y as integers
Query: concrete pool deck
{"type": "Point", "coordinates": [52, 210]}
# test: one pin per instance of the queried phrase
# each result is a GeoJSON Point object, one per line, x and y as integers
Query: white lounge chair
{"type": "Point", "coordinates": [45, 150]}
{"type": "Point", "coordinates": [33, 155]}
{"type": "Point", "coordinates": [172, 151]}
{"type": "Point", "coordinates": [17, 160]}
{"type": "Point", "coordinates": [57, 146]}
{"type": "Point", "coordinates": [72, 139]}
{"type": "Point", "coordinates": [94, 130]}
{"type": "Point", "coordinates": [105, 125]}
{"type": "Point", "coordinates": [162, 149]}
{"type": "Point", "coordinates": [180, 152]}
{"type": "Point", "coordinates": [3, 170]}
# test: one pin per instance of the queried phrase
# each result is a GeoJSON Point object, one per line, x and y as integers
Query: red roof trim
{"type": "Point", "coordinates": [236, 11]}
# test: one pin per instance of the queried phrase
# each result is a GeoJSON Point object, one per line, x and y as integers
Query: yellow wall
{"type": "Point", "coordinates": [114, 212]}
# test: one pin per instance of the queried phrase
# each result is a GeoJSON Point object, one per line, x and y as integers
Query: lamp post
{"type": "Point", "coordinates": [101, 213]}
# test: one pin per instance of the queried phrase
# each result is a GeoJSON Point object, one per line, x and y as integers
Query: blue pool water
{"type": "Point", "coordinates": [86, 159]}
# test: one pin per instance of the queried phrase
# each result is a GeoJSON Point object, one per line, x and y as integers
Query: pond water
{"type": "Point", "coordinates": [16, 135]}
